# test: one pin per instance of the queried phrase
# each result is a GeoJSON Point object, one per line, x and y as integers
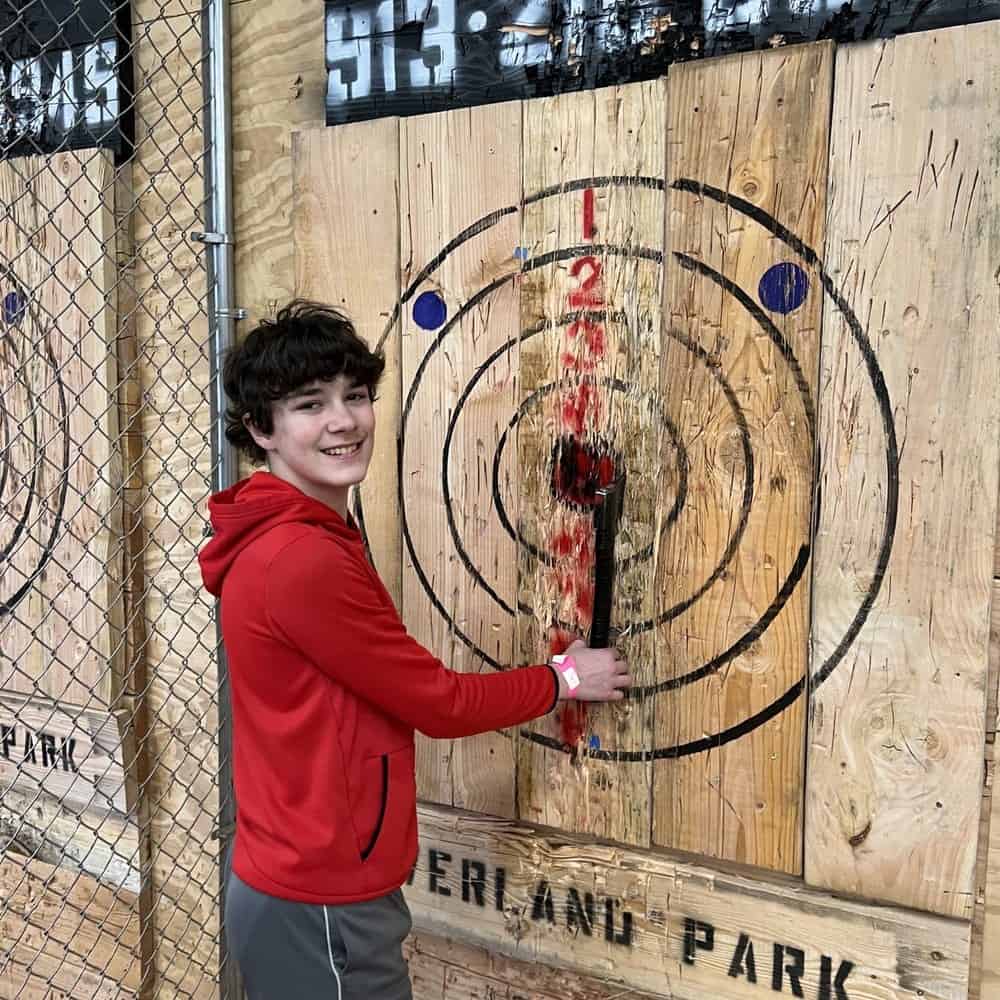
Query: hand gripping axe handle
{"type": "Point", "coordinates": [607, 517]}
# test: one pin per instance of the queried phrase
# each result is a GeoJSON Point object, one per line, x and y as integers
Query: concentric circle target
{"type": "Point", "coordinates": [35, 443]}
{"type": "Point", "coordinates": [781, 289]}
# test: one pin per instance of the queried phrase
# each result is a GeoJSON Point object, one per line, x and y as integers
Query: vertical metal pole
{"type": "Point", "coordinates": [218, 240]}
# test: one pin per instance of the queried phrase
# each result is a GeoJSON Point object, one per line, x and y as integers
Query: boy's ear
{"type": "Point", "coordinates": [260, 439]}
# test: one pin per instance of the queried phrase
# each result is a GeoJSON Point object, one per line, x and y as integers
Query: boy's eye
{"type": "Point", "coordinates": [358, 395]}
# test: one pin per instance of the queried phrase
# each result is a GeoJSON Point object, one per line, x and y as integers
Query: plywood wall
{"type": "Point", "coordinates": [747, 156]}
{"type": "Point", "coordinates": [61, 470]}
{"type": "Point", "coordinates": [908, 472]}
{"type": "Point", "coordinates": [70, 869]}
{"type": "Point", "coordinates": [176, 672]}
{"type": "Point", "coordinates": [795, 369]}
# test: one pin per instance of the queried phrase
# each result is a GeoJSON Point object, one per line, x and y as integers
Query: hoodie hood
{"type": "Point", "coordinates": [255, 505]}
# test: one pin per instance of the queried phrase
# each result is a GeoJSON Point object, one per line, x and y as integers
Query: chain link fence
{"type": "Point", "coordinates": [109, 687]}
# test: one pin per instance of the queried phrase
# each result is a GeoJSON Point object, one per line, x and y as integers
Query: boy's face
{"type": "Point", "coordinates": [322, 439]}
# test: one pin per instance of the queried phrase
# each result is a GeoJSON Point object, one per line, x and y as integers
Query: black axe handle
{"type": "Point", "coordinates": [607, 517]}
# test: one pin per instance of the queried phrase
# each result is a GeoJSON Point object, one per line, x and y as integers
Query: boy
{"type": "Point", "coordinates": [327, 687]}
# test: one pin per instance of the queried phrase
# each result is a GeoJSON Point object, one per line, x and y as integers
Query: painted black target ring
{"type": "Point", "coordinates": [878, 387]}
{"type": "Point", "coordinates": [12, 317]}
{"type": "Point", "coordinates": [615, 385]}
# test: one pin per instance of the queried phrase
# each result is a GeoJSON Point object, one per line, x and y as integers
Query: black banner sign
{"type": "Point", "coordinates": [64, 76]}
{"type": "Point", "coordinates": [404, 57]}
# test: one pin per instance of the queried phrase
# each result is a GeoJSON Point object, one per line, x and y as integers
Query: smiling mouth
{"type": "Point", "coordinates": [343, 450]}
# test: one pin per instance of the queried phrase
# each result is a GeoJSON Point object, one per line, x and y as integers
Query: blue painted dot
{"type": "Point", "coordinates": [595, 742]}
{"type": "Point", "coordinates": [783, 288]}
{"type": "Point", "coordinates": [429, 311]}
{"type": "Point", "coordinates": [520, 253]}
{"type": "Point", "coordinates": [13, 307]}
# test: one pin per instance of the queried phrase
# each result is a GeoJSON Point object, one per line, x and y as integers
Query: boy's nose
{"type": "Point", "coordinates": [341, 418]}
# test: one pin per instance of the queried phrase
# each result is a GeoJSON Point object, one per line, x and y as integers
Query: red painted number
{"type": "Point", "coordinates": [590, 293]}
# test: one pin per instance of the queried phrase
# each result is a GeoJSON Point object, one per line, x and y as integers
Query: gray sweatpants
{"type": "Point", "coordinates": [288, 950]}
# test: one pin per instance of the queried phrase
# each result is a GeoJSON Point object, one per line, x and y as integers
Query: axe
{"type": "Point", "coordinates": [607, 517]}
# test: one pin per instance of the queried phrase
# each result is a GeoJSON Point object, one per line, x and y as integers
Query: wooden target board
{"type": "Point", "coordinates": [638, 281]}
{"type": "Point", "coordinates": [65, 759]}
{"type": "Point", "coordinates": [61, 544]}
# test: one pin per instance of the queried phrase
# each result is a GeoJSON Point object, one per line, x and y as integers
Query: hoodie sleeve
{"type": "Point", "coordinates": [323, 603]}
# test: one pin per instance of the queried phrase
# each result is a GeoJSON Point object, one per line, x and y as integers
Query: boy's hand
{"type": "Point", "coordinates": [603, 674]}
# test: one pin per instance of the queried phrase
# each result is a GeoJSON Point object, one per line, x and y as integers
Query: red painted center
{"type": "Point", "coordinates": [580, 469]}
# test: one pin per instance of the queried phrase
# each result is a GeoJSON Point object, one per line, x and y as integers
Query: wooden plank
{"type": "Point", "coordinates": [181, 793]}
{"type": "Point", "coordinates": [986, 934]}
{"type": "Point", "coordinates": [674, 930]}
{"type": "Point", "coordinates": [60, 518]}
{"type": "Point", "coordinates": [459, 390]}
{"type": "Point", "coordinates": [908, 472]}
{"type": "Point", "coordinates": [996, 557]}
{"type": "Point", "coordinates": [346, 212]}
{"type": "Point", "coordinates": [279, 79]}
{"type": "Point", "coordinates": [104, 846]}
{"type": "Point", "coordinates": [74, 755]}
{"type": "Point", "coordinates": [65, 932]}
{"type": "Point", "coordinates": [133, 701]}
{"type": "Point", "coordinates": [441, 969]}
{"type": "Point", "coordinates": [746, 157]}
{"type": "Point", "coordinates": [593, 236]}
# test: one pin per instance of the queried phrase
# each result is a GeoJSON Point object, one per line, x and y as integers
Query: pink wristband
{"type": "Point", "coordinates": [566, 665]}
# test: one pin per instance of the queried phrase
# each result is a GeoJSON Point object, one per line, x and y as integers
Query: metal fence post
{"type": "Point", "coordinates": [222, 315]}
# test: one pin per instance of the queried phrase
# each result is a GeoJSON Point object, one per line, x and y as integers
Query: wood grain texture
{"type": "Point", "coordinates": [896, 734]}
{"type": "Point", "coordinates": [746, 149]}
{"type": "Point", "coordinates": [60, 519]}
{"type": "Point", "coordinates": [996, 559]}
{"type": "Point", "coordinates": [560, 895]}
{"type": "Point", "coordinates": [73, 755]}
{"type": "Point", "coordinates": [132, 701]}
{"type": "Point", "coordinates": [985, 975]}
{"type": "Point", "coordinates": [103, 846]}
{"type": "Point", "coordinates": [279, 80]}
{"type": "Point", "coordinates": [346, 210]}
{"type": "Point", "coordinates": [589, 374]}
{"type": "Point", "coordinates": [171, 331]}
{"type": "Point", "coordinates": [65, 935]}
{"type": "Point", "coordinates": [459, 388]}
{"type": "Point", "coordinates": [443, 969]}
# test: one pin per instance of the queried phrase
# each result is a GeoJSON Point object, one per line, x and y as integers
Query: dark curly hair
{"type": "Point", "coordinates": [304, 342]}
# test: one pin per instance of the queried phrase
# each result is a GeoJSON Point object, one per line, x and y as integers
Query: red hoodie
{"type": "Point", "coordinates": [327, 689]}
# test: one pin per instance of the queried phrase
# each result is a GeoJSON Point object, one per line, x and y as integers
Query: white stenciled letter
{"type": "Point", "coordinates": [100, 94]}
{"type": "Point", "coordinates": [348, 54]}
{"type": "Point", "coordinates": [62, 98]}
{"type": "Point", "coordinates": [25, 93]}
{"type": "Point", "coordinates": [385, 26]}
{"type": "Point", "coordinates": [439, 43]}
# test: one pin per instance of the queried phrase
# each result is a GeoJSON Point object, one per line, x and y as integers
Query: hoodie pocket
{"type": "Point", "coordinates": [383, 802]}
{"type": "Point", "coordinates": [393, 825]}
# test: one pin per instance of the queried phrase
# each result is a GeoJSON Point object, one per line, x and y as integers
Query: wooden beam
{"type": "Point", "coordinates": [442, 969]}
{"type": "Point", "coordinates": [60, 516]}
{"type": "Point", "coordinates": [986, 931]}
{"type": "Point", "coordinates": [180, 792]}
{"type": "Point", "coordinates": [62, 931]}
{"type": "Point", "coordinates": [279, 81]}
{"type": "Point", "coordinates": [746, 162]}
{"type": "Point", "coordinates": [460, 363]}
{"type": "Point", "coordinates": [909, 434]}
{"type": "Point", "coordinates": [71, 754]}
{"type": "Point", "coordinates": [345, 212]}
{"type": "Point", "coordinates": [668, 928]}
{"type": "Point", "coordinates": [592, 236]}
